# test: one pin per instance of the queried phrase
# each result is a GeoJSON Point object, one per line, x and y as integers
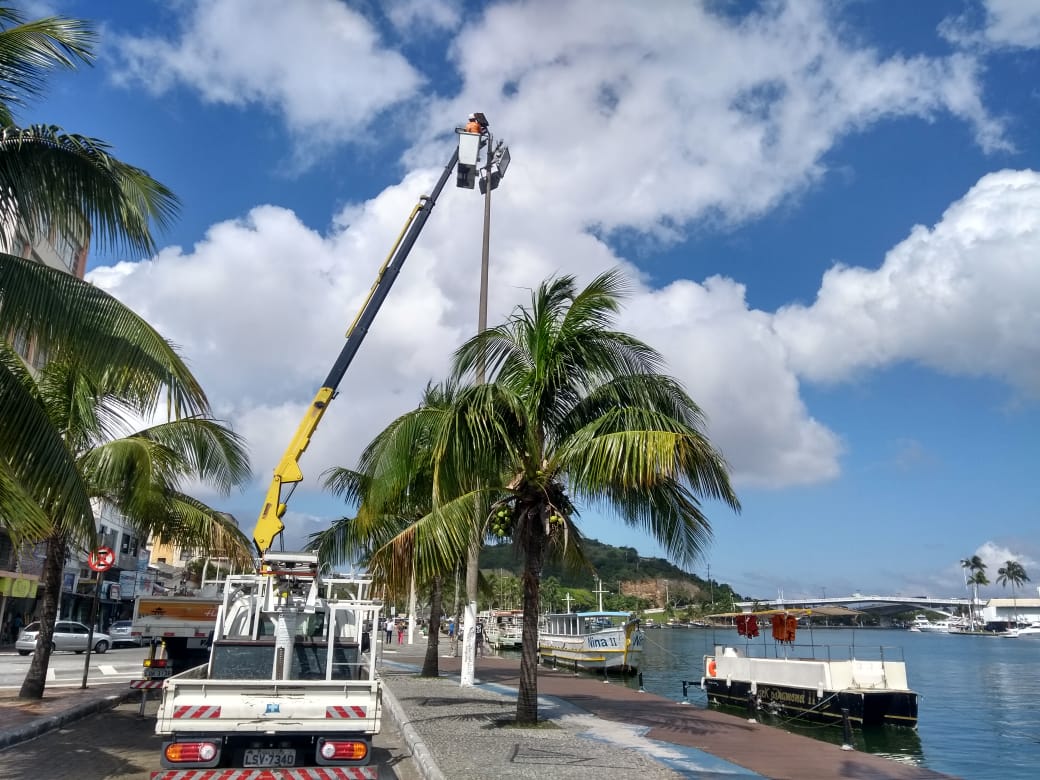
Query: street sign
{"type": "Point", "coordinates": [101, 559]}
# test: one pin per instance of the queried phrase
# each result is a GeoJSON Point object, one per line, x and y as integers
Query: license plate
{"type": "Point", "coordinates": [153, 673]}
{"type": "Point", "coordinates": [270, 757]}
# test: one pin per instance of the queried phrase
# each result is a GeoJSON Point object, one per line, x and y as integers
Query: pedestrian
{"type": "Point", "coordinates": [451, 629]}
{"type": "Point", "coordinates": [389, 629]}
{"type": "Point", "coordinates": [480, 638]}
{"type": "Point", "coordinates": [400, 633]}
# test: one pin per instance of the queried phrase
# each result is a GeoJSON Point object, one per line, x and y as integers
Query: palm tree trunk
{"type": "Point", "coordinates": [527, 697]}
{"type": "Point", "coordinates": [431, 666]}
{"type": "Point", "coordinates": [53, 566]}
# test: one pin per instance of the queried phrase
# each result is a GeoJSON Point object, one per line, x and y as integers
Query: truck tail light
{"type": "Point", "coordinates": [155, 663]}
{"type": "Point", "coordinates": [343, 749]}
{"type": "Point", "coordinates": [191, 752]}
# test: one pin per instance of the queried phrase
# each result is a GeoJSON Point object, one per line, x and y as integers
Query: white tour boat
{"type": "Point", "coordinates": [812, 682]}
{"type": "Point", "coordinates": [503, 628]}
{"type": "Point", "coordinates": [599, 641]}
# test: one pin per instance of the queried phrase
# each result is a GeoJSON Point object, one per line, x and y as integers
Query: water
{"type": "Point", "coordinates": [979, 697]}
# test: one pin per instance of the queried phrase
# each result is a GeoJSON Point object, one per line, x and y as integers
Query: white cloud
{"type": "Point", "coordinates": [1008, 23]}
{"type": "Point", "coordinates": [416, 18]}
{"type": "Point", "coordinates": [960, 297]}
{"type": "Point", "coordinates": [318, 63]}
{"type": "Point", "coordinates": [617, 118]}
{"type": "Point", "coordinates": [629, 118]}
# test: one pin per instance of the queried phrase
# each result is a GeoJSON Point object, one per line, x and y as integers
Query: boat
{"type": "Point", "coordinates": [503, 628]}
{"type": "Point", "coordinates": [595, 641]}
{"type": "Point", "coordinates": [819, 683]}
{"type": "Point", "coordinates": [921, 623]}
{"type": "Point", "coordinates": [1032, 629]}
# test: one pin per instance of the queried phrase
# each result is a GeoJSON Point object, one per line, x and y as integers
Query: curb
{"type": "Point", "coordinates": [42, 725]}
{"type": "Point", "coordinates": [421, 754]}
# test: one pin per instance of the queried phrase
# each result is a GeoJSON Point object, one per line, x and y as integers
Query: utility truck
{"type": "Point", "coordinates": [290, 690]}
{"type": "Point", "coordinates": [291, 681]}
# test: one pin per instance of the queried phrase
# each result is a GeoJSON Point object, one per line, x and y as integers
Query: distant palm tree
{"type": "Point", "coordinates": [393, 488]}
{"type": "Point", "coordinates": [975, 575]}
{"type": "Point", "coordinates": [1012, 572]}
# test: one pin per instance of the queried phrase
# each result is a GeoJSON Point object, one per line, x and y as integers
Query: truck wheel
{"type": "Point", "coordinates": [101, 646]}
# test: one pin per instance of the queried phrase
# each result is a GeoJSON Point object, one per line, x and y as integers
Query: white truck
{"type": "Point", "coordinates": [291, 688]}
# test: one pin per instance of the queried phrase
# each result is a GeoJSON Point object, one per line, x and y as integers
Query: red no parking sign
{"type": "Point", "coordinates": [101, 559]}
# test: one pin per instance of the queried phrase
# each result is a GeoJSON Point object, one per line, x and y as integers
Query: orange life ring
{"type": "Point", "coordinates": [711, 668]}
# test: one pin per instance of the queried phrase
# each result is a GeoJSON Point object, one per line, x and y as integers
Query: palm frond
{"type": "Point", "coordinates": [30, 50]}
{"type": "Point", "coordinates": [72, 184]}
{"type": "Point", "coordinates": [61, 313]}
{"type": "Point", "coordinates": [36, 461]}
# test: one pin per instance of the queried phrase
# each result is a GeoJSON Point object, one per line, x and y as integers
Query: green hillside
{"type": "Point", "coordinates": [614, 565]}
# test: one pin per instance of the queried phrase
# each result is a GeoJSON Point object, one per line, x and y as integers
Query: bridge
{"type": "Point", "coordinates": [883, 606]}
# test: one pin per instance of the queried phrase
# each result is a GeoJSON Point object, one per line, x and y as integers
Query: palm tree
{"type": "Point", "coordinates": [974, 575]}
{"type": "Point", "coordinates": [572, 410]}
{"type": "Point", "coordinates": [1012, 572]}
{"type": "Point", "coordinates": [393, 489]}
{"type": "Point", "coordinates": [977, 580]}
{"type": "Point", "coordinates": [88, 409]}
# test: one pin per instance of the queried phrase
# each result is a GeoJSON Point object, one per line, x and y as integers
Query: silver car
{"type": "Point", "coordinates": [68, 635]}
{"type": "Point", "coordinates": [121, 634]}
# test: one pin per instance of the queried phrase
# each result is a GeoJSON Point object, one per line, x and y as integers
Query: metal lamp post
{"type": "Point", "coordinates": [495, 163]}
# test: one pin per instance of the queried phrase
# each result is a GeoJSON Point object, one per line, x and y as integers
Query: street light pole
{"type": "Point", "coordinates": [467, 673]}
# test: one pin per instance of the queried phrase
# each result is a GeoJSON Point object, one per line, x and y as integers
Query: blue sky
{"type": "Point", "coordinates": [829, 213]}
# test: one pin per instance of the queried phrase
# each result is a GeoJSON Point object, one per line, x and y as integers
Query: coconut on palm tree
{"type": "Point", "coordinates": [1013, 573]}
{"type": "Point", "coordinates": [573, 413]}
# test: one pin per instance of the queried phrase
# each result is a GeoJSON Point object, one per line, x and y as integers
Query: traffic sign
{"type": "Point", "coordinates": [101, 559]}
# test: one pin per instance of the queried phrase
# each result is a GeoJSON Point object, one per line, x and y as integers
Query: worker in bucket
{"type": "Point", "coordinates": [473, 126]}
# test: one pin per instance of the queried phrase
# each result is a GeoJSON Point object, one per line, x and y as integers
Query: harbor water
{"type": "Point", "coordinates": [979, 697]}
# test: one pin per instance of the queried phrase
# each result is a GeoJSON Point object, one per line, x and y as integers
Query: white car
{"type": "Point", "coordinates": [68, 635]}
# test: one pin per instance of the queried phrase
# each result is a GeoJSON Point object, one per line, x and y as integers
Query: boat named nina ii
{"type": "Point", "coordinates": [599, 641]}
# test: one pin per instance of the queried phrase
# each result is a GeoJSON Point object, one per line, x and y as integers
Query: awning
{"type": "Point", "coordinates": [18, 586]}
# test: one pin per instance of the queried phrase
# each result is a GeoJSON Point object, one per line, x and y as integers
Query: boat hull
{"type": "Point", "coordinates": [865, 707]}
{"type": "Point", "coordinates": [612, 652]}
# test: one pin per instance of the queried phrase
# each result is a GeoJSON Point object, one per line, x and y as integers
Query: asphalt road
{"type": "Point", "coordinates": [66, 669]}
{"type": "Point", "coordinates": [120, 744]}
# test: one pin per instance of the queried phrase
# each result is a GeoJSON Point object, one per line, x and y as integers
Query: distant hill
{"type": "Point", "coordinates": [614, 565]}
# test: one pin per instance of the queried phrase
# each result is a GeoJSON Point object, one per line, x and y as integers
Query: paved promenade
{"type": "Point", "coordinates": [591, 729]}
{"type": "Point", "coordinates": [597, 730]}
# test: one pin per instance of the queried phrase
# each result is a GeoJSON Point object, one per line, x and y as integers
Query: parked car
{"type": "Point", "coordinates": [68, 635]}
{"type": "Point", "coordinates": [120, 633]}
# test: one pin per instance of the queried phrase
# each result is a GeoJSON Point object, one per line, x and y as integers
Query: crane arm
{"type": "Point", "coordinates": [269, 525]}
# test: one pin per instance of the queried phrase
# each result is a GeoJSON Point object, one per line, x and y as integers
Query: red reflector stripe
{"type": "Point", "coordinates": [146, 683]}
{"type": "Point", "coordinates": [295, 773]}
{"type": "Point", "coordinates": [204, 712]}
{"type": "Point", "coordinates": [346, 712]}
